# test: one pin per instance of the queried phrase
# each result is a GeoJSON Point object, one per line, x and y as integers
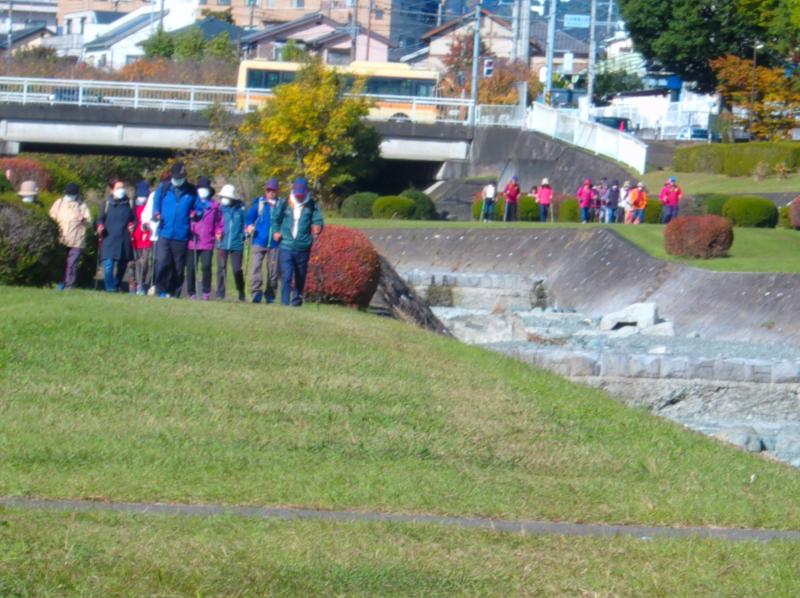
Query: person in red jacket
{"type": "Point", "coordinates": [142, 245]}
{"type": "Point", "coordinates": [585, 196]}
{"type": "Point", "coordinates": [512, 193]}
{"type": "Point", "coordinates": [670, 197]}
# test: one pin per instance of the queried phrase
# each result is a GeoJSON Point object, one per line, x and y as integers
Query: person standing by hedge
{"type": "Point", "coordinates": [175, 205]}
{"type": "Point", "coordinates": [638, 199]}
{"type": "Point", "coordinates": [74, 219]}
{"type": "Point", "coordinates": [258, 221]}
{"type": "Point", "coordinates": [585, 196]}
{"type": "Point", "coordinates": [612, 202]}
{"type": "Point", "coordinates": [625, 211]}
{"type": "Point", "coordinates": [142, 243]}
{"type": "Point", "coordinates": [230, 240]}
{"type": "Point", "coordinates": [115, 224]}
{"type": "Point", "coordinates": [201, 243]}
{"type": "Point", "coordinates": [488, 194]}
{"type": "Point", "coordinates": [512, 193]}
{"type": "Point", "coordinates": [297, 223]}
{"type": "Point", "coordinates": [670, 196]}
{"type": "Point", "coordinates": [544, 196]}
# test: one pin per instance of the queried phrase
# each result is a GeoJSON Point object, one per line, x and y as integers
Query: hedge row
{"type": "Point", "coordinates": [362, 205]}
{"type": "Point", "coordinates": [743, 210]}
{"type": "Point", "coordinates": [736, 159]}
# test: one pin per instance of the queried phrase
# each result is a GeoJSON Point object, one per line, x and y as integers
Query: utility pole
{"type": "Point", "coordinates": [161, 17]}
{"type": "Point", "coordinates": [608, 21]}
{"type": "Point", "coordinates": [476, 56]}
{"type": "Point", "coordinates": [10, 22]}
{"type": "Point", "coordinates": [592, 53]}
{"type": "Point", "coordinates": [525, 48]}
{"type": "Point", "coordinates": [515, 30]}
{"type": "Point", "coordinates": [369, 28]}
{"type": "Point", "coordinates": [440, 13]}
{"type": "Point", "coordinates": [551, 50]}
{"type": "Point", "coordinates": [354, 33]}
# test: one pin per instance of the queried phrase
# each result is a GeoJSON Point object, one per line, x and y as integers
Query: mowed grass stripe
{"type": "Point", "coordinates": [104, 554]}
{"type": "Point", "coordinates": [148, 400]}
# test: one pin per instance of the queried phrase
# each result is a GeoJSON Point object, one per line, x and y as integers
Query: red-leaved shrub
{"type": "Point", "coordinates": [344, 268]}
{"type": "Point", "coordinates": [25, 169]}
{"type": "Point", "coordinates": [794, 213]}
{"type": "Point", "coordinates": [698, 236]}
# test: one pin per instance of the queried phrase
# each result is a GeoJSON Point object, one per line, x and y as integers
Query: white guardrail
{"type": "Point", "coordinates": [199, 97]}
{"type": "Point", "coordinates": [593, 137]}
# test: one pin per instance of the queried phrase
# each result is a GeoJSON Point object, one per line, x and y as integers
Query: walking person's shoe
{"type": "Point", "coordinates": [257, 297]}
{"type": "Point", "coordinates": [193, 297]}
{"type": "Point", "coordinates": [60, 286]}
{"type": "Point", "coordinates": [206, 296]}
{"type": "Point", "coordinates": [241, 296]}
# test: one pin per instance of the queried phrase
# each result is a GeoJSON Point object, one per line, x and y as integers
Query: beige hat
{"type": "Point", "coordinates": [228, 191]}
{"type": "Point", "coordinates": [28, 188]}
{"type": "Point", "coordinates": [545, 181]}
{"type": "Point", "coordinates": [640, 184]}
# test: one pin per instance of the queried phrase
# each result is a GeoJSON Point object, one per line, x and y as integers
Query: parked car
{"type": "Point", "coordinates": [697, 134]}
{"type": "Point", "coordinates": [71, 95]}
{"type": "Point", "coordinates": [615, 122]}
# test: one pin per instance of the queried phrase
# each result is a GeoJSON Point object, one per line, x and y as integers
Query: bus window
{"type": "Point", "coordinates": [388, 86]}
{"type": "Point", "coordinates": [423, 89]}
{"type": "Point", "coordinates": [259, 79]}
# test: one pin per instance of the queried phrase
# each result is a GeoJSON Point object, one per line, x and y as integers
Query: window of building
{"type": "Point", "coordinates": [69, 26]}
{"type": "Point", "coordinates": [83, 24]}
{"type": "Point", "coordinates": [224, 2]}
{"type": "Point", "coordinates": [338, 57]}
{"type": "Point", "coordinates": [203, 2]}
{"type": "Point", "coordinates": [298, 3]}
{"type": "Point", "coordinates": [378, 14]}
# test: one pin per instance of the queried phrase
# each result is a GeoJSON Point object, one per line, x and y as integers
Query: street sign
{"type": "Point", "coordinates": [576, 21]}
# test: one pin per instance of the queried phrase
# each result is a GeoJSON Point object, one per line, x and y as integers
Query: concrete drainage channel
{"type": "Point", "coordinates": [744, 393]}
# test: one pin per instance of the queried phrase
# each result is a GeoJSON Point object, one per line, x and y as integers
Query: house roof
{"type": "Point", "coordinates": [106, 17]}
{"type": "Point", "coordinates": [120, 32]}
{"type": "Point", "coordinates": [212, 27]}
{"type": "Point", "coordinates": [20, 35]}
{"type": "Point", "coordinates": [564, 41]}
{"type": "Point", "coordinates": [346, 31]}
{"type": "Point", "coordinates": [276, 31]}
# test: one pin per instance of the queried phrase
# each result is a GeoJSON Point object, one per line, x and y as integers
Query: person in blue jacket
{"type": "Point", "coordinates": [230, 241]}
{"type": "Point", "coordinates": [296, 223]}
{"type": "Point", "coordinates": [175, 205]}
{"type": "Point", "coordinates": [264, 246]}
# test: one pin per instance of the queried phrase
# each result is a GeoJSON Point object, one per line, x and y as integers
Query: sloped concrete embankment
{"type": "Point", "coordinates": [731, 369]}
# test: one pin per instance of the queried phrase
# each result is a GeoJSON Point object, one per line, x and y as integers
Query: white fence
{"type": "Point", "coordinates": [501, 116]}
{"type": "Point", "coordinates": [590, 136]}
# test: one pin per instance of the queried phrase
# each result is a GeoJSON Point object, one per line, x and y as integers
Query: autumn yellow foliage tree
{"type": "Point", "coordinates": [313, 128]}
{"type": "Point", "coordinates": [773, 96]}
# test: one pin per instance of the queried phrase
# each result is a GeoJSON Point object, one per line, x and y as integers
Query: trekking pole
{"type": "Point", "coordinates": [97, 259]}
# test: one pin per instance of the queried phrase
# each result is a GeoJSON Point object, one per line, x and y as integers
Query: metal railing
{"type": "Point", "coordinates": [591, 136]}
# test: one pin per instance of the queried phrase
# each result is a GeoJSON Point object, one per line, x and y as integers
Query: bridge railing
{"type": "Point", "coordinates": [123, 94]}
{"type": "Point", "coordinates": [591, 136]}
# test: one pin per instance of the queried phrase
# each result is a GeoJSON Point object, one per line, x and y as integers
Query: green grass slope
{"type": "Point", "coordinates": [120, 398]}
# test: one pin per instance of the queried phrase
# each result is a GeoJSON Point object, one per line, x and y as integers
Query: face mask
{"type": "Point", "coordinates": [28, 199]}
{"type": "Point", "coordinates": [225, 201]}
{"type": "Point", "coordinates": [203, 193]}
{"type": "Point", "coordinates": [140, 201]}
{"type": "Point", "coordinates": [178, 182]}
{"type": "Point", "coordinates": [71, 197]}
{"type": "Point", "coordinates": [119, 193]}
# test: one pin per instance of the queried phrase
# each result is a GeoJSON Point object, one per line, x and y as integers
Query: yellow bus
{"type": "Point", "coordinates": [400, 92]}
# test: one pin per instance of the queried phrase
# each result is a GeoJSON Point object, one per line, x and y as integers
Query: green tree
{"type": "Point", "coordinates": [159, 45]}
{"type": "Point", "coordinates": [292, 52]}
{"type": "Point", "coordinates": [311, 128]}
{"type": "Point", "coordinates": [781, 21]}
{"type": "Point", "coordinates": [683, 35]}
{"type": "Point", "coordinates": [190, 45]}
{"type": "Point", "coordinates": [222, 48]}
{"type": "Point", "coordinates": [608, 83]}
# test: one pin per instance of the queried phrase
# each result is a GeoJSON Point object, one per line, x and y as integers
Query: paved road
{"type": "Point", "coordinates": [500, 525]}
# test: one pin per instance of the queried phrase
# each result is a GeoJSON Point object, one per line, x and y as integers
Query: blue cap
{"type": "Point", "coordinates": [142, 189]}
{"type": "Point", "coordinates": [300, 187]}
{"type": "Point", "coordinates": [271, 184]}
{"type": "Point", "coordinates": [673, 180]}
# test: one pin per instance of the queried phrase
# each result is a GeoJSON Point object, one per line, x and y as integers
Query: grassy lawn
{"type": "Point", "coordinates": [57, 554]}
{"type": "Point", "coordinates": [121, 398]}
{"type": "Point", "coordinates": [754, 249]}
{"type": "Point", "coordinates": [700, 182]}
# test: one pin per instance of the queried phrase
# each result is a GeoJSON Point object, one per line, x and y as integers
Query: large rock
{"type": "Point", "coordinates": [743, 436]}
{"type": "Point", "coordinates": [641, 315]}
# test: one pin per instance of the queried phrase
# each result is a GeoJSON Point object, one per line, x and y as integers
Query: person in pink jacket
{"type": "Point", "coordinates": [585, 197]}
{"type": "Point", "coordinates": [670, 197]}
{"type": "Point", "coordinates": [544, 196]}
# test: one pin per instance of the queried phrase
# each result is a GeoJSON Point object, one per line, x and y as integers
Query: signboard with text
{"type": "Point", "coordinates": [576, 21]}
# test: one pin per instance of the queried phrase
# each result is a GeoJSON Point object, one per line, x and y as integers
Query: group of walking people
{"type": "Point", "coordinates": [602, 202]}
{"type": "Point", "coordinates": [171, 233]}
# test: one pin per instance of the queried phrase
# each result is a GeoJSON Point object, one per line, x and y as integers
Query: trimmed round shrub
{"type": "Point", "coordinates": [30, 253]}
{"type": "Point", "coordinates": [568, 209]}
{"type": "Point", "coordinates": [784, 217]}
{"type": "Point", "coordinates": [393, 207]}
{"type": "Point", "coordinates": [698, 236]}
{"type": "Point", "coordinates": [713, 202]}
{"type": "Point", "coordinates": [653, 211]}
{"type": "Point", "coordinates": [344, 268]}
{"type": "Point", "coordinates": [751, 211]}
{"type": "Point", "coordinates": [794, 213]}
{"type": "Point", "coordinates": [358, 205]}
{"type": "Point", "coordinates": [528, 209]}
{"type": "Point", "coordinates": [25, 169]}
{"type": "Point", "coordinates": [425, 209]}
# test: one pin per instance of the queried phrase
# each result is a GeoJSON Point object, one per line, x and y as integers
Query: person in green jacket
{"type": "Point", "coordinates": [296, 224]}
